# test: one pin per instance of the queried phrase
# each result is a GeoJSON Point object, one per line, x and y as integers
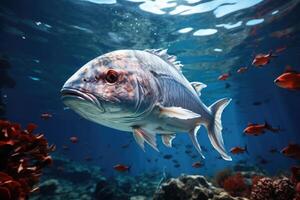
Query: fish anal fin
{"type": "Point", "coordinates": [193, 136]}
{"type": "Point", "coordinates": [167, 139]}
{"type": "Point", "coordinates": [141, 136]}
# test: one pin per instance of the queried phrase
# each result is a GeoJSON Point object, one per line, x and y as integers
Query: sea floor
{"type": "Point", "coordinates": [67, 179]}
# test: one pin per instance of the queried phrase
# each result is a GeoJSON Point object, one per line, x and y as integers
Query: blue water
{"type": "Point", "coordinates": [45, 42]}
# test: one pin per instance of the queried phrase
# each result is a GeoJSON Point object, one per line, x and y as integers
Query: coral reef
{"type": "Point", "coordinates": [262, 190]}
{"type": "Point", "coordinates": [191, 187]}
{"type": "Point", "coordinates": [23, 156]}
{"type": "Point", "coordinates": [221, 176]}
{"type": "Point", "coordinates": [236, 185]}
{"type": "Point", "coordinates": [278, 189]}
{"type": "Point", "coordinates": [66, 179]}
{"type": "Point", "coordinates": [250, 182]}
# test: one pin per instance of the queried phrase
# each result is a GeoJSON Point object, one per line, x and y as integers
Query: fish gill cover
{"type": "Point", "coordinates": [246, 50]}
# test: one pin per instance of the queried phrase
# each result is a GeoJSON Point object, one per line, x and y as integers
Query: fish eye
{"type": "Point", "coordinates": [111, 76]}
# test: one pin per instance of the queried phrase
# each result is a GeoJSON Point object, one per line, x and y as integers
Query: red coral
{"type": "Point", "coordinates": [221, 176]}
{"type": "Point", "coordinates": [295, 176]}
{"type": "Point", "coordinates": [297, 188]}
{"type": "Point", "coordinates": [255, 179]}
{"type": "Point", "coordinates": [23, 155]}
{"type": "Point", "coordinates": [235, 185]}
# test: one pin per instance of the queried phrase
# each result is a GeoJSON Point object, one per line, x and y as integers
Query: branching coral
{"type": "Point", "coordinates": [23, 155]}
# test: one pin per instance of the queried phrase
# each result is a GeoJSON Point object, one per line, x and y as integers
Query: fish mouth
{"type": "Point", "coordinates": [80, 95]}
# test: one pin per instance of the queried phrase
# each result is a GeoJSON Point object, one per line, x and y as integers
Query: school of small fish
{"type": "Point", "coordinates": [290, 80]}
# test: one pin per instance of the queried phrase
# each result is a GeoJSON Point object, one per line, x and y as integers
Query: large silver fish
{"type": "Point", "coordinates": [144, 92]}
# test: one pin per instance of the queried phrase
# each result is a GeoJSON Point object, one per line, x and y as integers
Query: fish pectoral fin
{"type": "Point", "coordinates": [193, 136]}
{"type": "Point", "coordinates": [139, 139]}
{"type": "Point", "coordinates": [141, 136]}
{"type": "Point", "coordinates": [167, 139]}
{"type": "Point", "coordinates": [198, 86]}
{"type": "Point", "coordinates": [177, 112]}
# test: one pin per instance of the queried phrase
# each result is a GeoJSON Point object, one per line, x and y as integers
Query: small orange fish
{"type": "Point", "coordinates": [125, 146]}
{"type": "Point", "coordinates": [197, 164]}
{"type": "Point", "coordinates": [258, 129]}
{"type": "Point", "coordinates": [121, 168]}
{"type": "Point", "coordinates": [263, 161]}
{"type": "Point", "coordinates": [289, 80]}
{"type": "Point", "coordinates": [224, 77]}
{"type": "Point", "coordinates": [262, 59]}
{"type": "Point", "coordinates": [242, 70]}
{"type": "Point", "coordinates": [60, 168]}
{"type": "Point", "coordinates": [65, 147]}
{"type": "Point", "coordinates": [6, 144]}
{"type": "Point", "coordinates": [292, 151]}
{"type": "Point", "coordinates": [280, 49]}
{"type": "Point", "coordinates": [273, 150]}
{"type": "Point", "coordinates": [88, 158]}
{"type": "Point", "coordinates": [238, 150]}
{"type": "Point", "coordinates": [46, 116]}
{"type": "Point", "coordinates": [74, 139]}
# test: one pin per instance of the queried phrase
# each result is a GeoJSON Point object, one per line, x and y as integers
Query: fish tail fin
{"type": "Point", "coordinates": [272, 55]}
{"type": "Point", "coordinates": [129, 168]}
{"type": "Point", "coordinates": [268, 126]}
{"type": "Point", "coordinates": [214, 127]}
{"type": "Point", "coordinates": [278, 129]}
{"type": "Point", "coordinates": [246, 149]}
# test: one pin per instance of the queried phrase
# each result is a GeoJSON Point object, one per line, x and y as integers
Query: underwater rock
{"type": "Point", "coordinates": [191, 187]}
{"type": "Point", "coordinates": [139, 197]}
{"type": "Point", "coordinates": [226, 196]}
{"type": "Point", "coordinates": [49, 187]}
{"type": "Point", "coordinates": [119, 187]}
{"type": "Point", "coordinates": [104, 190]}
{"type": "Point", "coordinates": [78, 176]}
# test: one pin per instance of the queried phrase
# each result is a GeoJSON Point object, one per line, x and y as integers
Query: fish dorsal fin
{"type": "Point", "coordinates": [198, 86]}
{"type": "Point", "coordinates": [289, 69]}
{"type": "Point", "coordinates": [162, 53]}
